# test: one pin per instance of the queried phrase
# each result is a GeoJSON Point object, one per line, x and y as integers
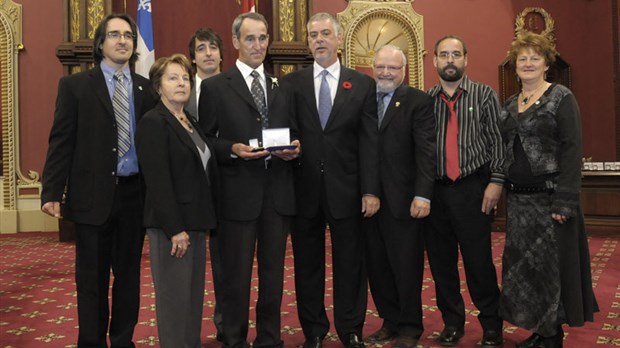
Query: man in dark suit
{"type": "Point", "coordinates": [92, 158]}
{"type": "Point", "coordinates": [256, 195]}
{"type": "Point", "coordinates": [394, 237]}
{"type": "Point", "coordinates": [205, 51]}
{"type": "Point", "coordinates": [337, 180]}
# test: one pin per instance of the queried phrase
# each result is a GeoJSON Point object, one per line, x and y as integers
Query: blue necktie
{"type": "Point", "coordinates": [325, 100]}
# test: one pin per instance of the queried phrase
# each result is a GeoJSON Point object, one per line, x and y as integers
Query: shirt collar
{"type": "Point", "coordinates": [246, 70]}
{"type": "Point", "coordinates": [108, 71]}
{"type": "Point", "coordinates": [333, 69]}
{"type": "Point", "coordinates": [465, 85]}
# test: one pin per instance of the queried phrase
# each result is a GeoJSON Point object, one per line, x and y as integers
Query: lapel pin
{"type": "Point", "coordinates": [397, 104]}
{"type": "Point", "coordinates": [471, 108]}
{"type": "Point", "coordinates": [140, 87]}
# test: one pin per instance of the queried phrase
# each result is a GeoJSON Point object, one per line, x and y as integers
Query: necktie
{"type": "Point", "coordinates": [381, 106]}
{"type": "Point", "coordinates": [452, 132]}
{"type": "Point", "coordinates": [258, 93]}
{"type": "Point", "coordinates": [120, 105]}
{"type": "Point", "coordinates": [325, 100]}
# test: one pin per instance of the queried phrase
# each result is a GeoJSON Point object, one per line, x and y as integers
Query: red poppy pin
{"type": "Point", "coordinates": [347, 85]}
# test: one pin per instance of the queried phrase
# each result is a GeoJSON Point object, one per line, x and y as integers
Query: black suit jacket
{"type": "Point", "coordinates": [191, 105]}
{"type": "Point", "coordinates": [408, 144]}
{"type": "Point", "coordinates": [345, 154]}
{"type": "Point", "coordinates": [228, 115]}
{"type": "Point", "coordinates": [179, 194]}
{"type": "Point", "coordinates": [82, 145]}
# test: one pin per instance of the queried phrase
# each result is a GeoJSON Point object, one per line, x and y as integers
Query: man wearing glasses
{"type": "Point", "coordinates": [470, 179]}
{"type": "Point", "coordinates": [394, 240]}
{"type": "Point", "coordinates": [92, 160]}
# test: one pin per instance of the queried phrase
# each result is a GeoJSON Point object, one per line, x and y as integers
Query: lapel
{"type": "Point", "coordinates": [178, 129]}
{"type": "Point", "coordinates": [307, 87]}
{"type": "Point", "coordinates": [98, 84]}
{"type": "Point", "coordinates": [342, 93]}
{"type": "Point", "coordinates": [139, 90]}
{"type": "Point", "coordinates": [272, 89]}
{"type": "Point", "coordinates": [396, 105]}
{"type": "Point", "coordinates": [191, 103]}
{"type": "Point", "coordinates": [237, 84]}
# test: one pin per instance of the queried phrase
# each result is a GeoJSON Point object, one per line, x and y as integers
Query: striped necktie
{"type": "Point", "coordinates": [258, 94]}
{"type": "Point", "coordinates": [381, 106]}
{"type": "Point", "coordinates": [120, 104]}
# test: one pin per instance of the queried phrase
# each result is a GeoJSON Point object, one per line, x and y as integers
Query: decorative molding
{"type": "Point", "coordinates": [95, 13]}
{"type": "Point", "coordinates": [74, 10]}
{"type": "Point", "coordinates": [287, 20]}
{"type": "Point", "coordinates": [286, 69]}
{"type": "Point", "coordinates": [531, 19]}
{"type": "Point", "coordinates": [10, 45]}
{"type": "Point", "coordinates": [369, 25]}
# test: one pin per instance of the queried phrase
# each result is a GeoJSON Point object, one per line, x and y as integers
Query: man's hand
{"type": "Point", "coordinates": [491, 196]}
{"type": "Point", "coordinates": [288, 155]}
{"type": "Point", "coordinates": [419, 209]}
{"type": "Point", "coordinates": [245, 151]}
{"type": "Point", "coordinates": [370, 205]}
{"type": "Point", "coordinates": [180, 243]}
{"type": "Point", "coordinates": [52, 209]}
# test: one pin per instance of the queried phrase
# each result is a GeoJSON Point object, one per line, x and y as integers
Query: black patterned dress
{"type": "Point", "coordinates": [546, 278]}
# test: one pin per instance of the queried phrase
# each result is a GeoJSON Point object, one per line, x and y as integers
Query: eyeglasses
{"type": "Point", "coordinates": [116, 35]}
{"type": "Point", "coordinates": [445, 55]}
{"type": "Point", "coordinates": [391, 68]}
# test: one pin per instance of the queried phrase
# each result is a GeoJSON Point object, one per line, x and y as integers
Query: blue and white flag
{"type": "Point", "coordinates": [146, 48]}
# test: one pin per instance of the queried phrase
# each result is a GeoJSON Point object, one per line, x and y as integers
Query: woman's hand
{"type": "Point", "coordinates": [180, 243]}
{"type": "Point", "coordinates": [559, 217]}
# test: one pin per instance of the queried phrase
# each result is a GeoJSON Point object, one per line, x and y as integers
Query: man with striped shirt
{"type": "Point", "coordinates": [469, 183]}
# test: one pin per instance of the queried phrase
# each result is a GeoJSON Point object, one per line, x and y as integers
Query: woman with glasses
{"type": "Point", "coordinates": [546, 279]}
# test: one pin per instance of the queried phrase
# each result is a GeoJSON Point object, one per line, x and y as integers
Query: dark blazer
{"type": "Point", "coordinates": [228, 115]}
{"type": "Point", "coordinates": [191, 105]}
{"type": "Point", "coordinates": [345, 154]}
{"type": "Point", "coordinates": [408, 144]}
{"type": "Point", "coordinates": [82, 145]}
{"type": "Point", "coordinates": [179, 194]}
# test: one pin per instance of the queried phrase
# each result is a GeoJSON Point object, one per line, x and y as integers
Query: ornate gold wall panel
{"type": "Point", "coordinates": [370, 25]}
{"type": "Point", "coordinates": [10, 45]}
{"type": "Point", "coordinates": [289, 50]}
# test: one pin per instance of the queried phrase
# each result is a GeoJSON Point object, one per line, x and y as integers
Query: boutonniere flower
{"type": "Point", "coordinates": [347, 85]}
{"type": "Point", "coordinates": [274, 82]}
{"type": "Point", "coordinates": [140, 87]}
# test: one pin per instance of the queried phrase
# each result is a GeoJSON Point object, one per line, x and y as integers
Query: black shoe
{"type": "Point", "coordinates": [405, 342]}
{"type": "Point", "coordinates": [314, 342]}
{"type": "Point", "coordinates": [555, 341]}
{"type": "Point", "coordinates": [492, 339]}
{"type": "Point", "coordinates": [381, 336]}
{"type": "Point", "coordinates": [354, 342]}
{"type": "Point", "coordinates": [533, 341]}
{"type": "Point", "coordinates": [450, 336]}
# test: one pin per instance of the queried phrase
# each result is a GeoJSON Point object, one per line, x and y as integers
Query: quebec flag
{"type": "Point", "coordinates": [146, 49]}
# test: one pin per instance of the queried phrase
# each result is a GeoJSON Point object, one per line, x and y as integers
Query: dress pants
{"type": "Point", "coordinates": [456, 221]}
{"type": "Point", "coordinates": [179, 289]}
{"type": "Point", "coordinates": [350, 289]}
{"type": "Point", "coordinates": [237, 241]}
{"type": "Point", "coordinates": [116, 245]}
{"type": "Point", "coordinates": [395, 263]}
{"type": "Point", "coordinates": [216, 271]}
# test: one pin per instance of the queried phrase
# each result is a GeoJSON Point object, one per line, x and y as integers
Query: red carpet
{"type": "Point", "coordinates": [38, 304]}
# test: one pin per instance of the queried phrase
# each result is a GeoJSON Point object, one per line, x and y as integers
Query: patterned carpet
{"type": "Point", "coordinates": [38, 303]}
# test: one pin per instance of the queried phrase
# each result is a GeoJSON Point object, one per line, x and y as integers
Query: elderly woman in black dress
{"type": "Point", "coordinates": [546, 280]}
{"type": "Point", "coordinates": [178, 169]}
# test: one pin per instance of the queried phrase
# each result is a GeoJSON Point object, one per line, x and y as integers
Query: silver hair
{"type": "Point", "coordinates": [236, 26]}
{"type": "Point", "coordinates": [322, 16]}
{"type": "Point", "coordinates": [393, 48]}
